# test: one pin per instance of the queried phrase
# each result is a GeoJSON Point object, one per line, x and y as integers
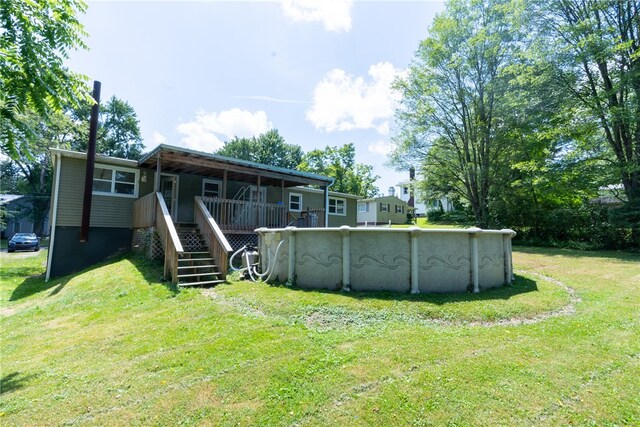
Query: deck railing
{"type": "Point", "coordinates": [144, 211]}
{"type": "Point", "coordinates": [219, 247]}
{"type": "Point", "coordinates": [240, 215]}
{"type": "Point", "coordinates": [169, 238]}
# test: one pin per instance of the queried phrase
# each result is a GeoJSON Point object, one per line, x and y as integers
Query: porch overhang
{"type": "Point", "coordinates": [180, 160]}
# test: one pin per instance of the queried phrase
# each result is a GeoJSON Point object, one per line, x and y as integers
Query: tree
{"type": "Point", "coordinates": [118, 129]}
{"type": "Point", "coordinates": [29, 172]}
{"type": "Point", "coordinates": [594, 48]}
{"type": "Point", "coordinates": [268, 148]}
{"type": "Point", "coordinates": [35, 40]}
{"type": "Point", "coordinates": [339, 163]}
{"type": "Point", "coordinates": [453, 104]}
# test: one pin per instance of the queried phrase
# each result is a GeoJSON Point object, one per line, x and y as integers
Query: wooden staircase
{"type": "Point", "coordinates": [196, 267]}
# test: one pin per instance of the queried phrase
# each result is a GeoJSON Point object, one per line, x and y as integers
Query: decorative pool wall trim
{"type": "Point", "coordinates": [411, 259]}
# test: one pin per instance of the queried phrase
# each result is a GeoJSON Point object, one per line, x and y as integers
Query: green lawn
{"type": "Point", "coordinates": [424, 223]}
{"type": "Point", "coordinates": [116, 346]}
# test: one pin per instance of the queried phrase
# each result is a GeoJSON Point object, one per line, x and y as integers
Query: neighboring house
{"type": "Point", "coordinates": [170, 195]}
{"type": "Point", "coordinates": [18, 221]}
{"type": "Point", "coordinates": [382, 210]}
{"type": "Point", "coordinates": [422, 207]}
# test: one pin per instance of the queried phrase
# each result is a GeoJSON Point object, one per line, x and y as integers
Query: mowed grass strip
{"type": "Point", "coordinates": [115, 345]}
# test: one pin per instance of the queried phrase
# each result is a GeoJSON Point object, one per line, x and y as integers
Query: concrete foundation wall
{"type": "Point", "coordinates": [401, 260]}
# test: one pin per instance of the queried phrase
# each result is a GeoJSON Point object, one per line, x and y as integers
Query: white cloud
{"type": "Point", "coordinates": [342, 101]}
{"type": "Point", "coordinates": [380, 147]}
{"type": "Point", "coordinates": [157, 138]}
{"type": "Point", "coordinates": [335, 15]}
{"type": "Point", "coordinates": [204, 132]}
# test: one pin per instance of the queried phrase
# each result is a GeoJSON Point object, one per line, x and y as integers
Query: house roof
{"type": "Point", "coordinates": [182, 160]}
{"type": "Point", "coordinates": [8, 198]}
{"type": "Point", "coordinates": [100, 158]}
{"type": "Point", "coordinates": [395, 199]}
{"type": "Point", "coordinates": [331, 193]}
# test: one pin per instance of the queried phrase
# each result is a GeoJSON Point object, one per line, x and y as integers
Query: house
{"type": "Point", "coordinates": [382, 210]}
{"type": "Point", "coordinates": [191, 208]}
{"type": "Point", "coordinates": [18, 219]}
{"type": "Point", "coordinates": [408, 190]}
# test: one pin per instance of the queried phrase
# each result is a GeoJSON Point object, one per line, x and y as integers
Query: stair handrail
{"type": "Point", "coordinates": [219, 246]}
{"type": "Point", "coordinates": [240, 193]}
{"type": "Point", "coordinates": [169, 237]}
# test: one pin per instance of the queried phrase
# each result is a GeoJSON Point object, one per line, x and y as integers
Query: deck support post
{"type": "Point", "coordinates": [156, 179]}
{"type": "Point", "coordinates": [325, 189]}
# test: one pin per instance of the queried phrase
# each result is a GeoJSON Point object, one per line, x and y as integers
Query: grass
{"type": "Point", "coordinates": [424, 223]}
{"type": "Point", "coordinates": [115, 345]}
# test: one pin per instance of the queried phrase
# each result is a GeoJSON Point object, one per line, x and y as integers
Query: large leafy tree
{"type": "Point", "coordinates": [454, 102]}
{"type": "Point", "coordinates": [268, 148]}
{"type": "Point", "coordinates": [340, 164]}
{"type": "Point", "coordinates": [29, 171]}
{"type": "Point", "coordinates": [118, 129]}
{"type": "Point", "coordinates": [594, 49]}
{"type": "Point", "coordinates": [36, 37]}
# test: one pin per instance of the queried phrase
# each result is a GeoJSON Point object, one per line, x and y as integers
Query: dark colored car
{"type": "Point", "coordinates": [24, 242]}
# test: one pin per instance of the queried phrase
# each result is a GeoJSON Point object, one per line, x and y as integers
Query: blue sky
{"type": "Point", "coordinates": [200, 73]}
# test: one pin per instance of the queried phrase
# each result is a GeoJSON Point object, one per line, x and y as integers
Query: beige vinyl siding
{"type": "Point", "coordinates": [315, 200]}
{"type": "Point", "coordinates": [371, 216]}
{"type": "Point", "coordinates": [392, 201]}
{"type": "Point", "coordinates": [106, 211]}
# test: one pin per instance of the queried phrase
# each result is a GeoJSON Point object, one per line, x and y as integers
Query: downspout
{"type": "Point", "coordinates": [54, 216]}
{"type": "Point", "coordinates": [326, 203]}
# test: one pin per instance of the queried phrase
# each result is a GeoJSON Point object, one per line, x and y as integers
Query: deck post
{"type": "Point", "coordinates": [259, 201]}
{"type": "Point", "coordinates": [156, 179]}
{"type": "Point", "coordinates": [325, 189]}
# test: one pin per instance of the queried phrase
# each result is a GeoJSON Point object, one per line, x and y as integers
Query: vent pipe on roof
{"type": "Point", "coordinates": [91, 160]}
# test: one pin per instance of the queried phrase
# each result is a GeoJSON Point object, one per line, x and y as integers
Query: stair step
{"type": "Point", "coordinates": [206, 282]}
{"type": "Point", "coordinates": [195, 259]}
{"type": "Point", "coordinates": [196, 253]}
{"type": "Point", "coordinates": [199, 274]}
{"type": "Point", "coordinates": [213, 273]}
{"type": "Point", "coordinates": [184, 267]}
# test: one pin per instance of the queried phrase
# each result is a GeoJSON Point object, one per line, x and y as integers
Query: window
{"type": "Point", "coordinates": [405, 190]}
{"type": "Point", "coordinates": [115, 181]}
{"type": "Point", "coordinates": [211, 188]}
{"type": "Point", "coordinates": [363, 207]}
{"type": "Point", "coordinates": [337, 206]}
{"type": "Point", "coordinates": [295, 202]}
{"type": "Point", "coordinates": [384, 207]}
{"type": "Point", "coordinates": [399, 209]}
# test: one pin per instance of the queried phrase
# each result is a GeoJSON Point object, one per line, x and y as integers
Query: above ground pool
{"type": "Point", "coordinates": [388, 259]}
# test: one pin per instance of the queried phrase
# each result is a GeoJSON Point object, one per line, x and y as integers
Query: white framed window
{"type": "Point", "coordinates": [337, 206]}
{"type": "Point", "coordinates": [295, 202]}
{"type": "Point", "coordinates": [363, 207]}
{"type": "Point", "coordinates": [399, 209]}
{"type": "Point", "coordinates": [405, 190]}
{"type": "Point", "coordinates": [115, 181]}
{"type": "Point", "coordinates": [211, 188]}
{"type": "Point", "coordinates": [384, 207]}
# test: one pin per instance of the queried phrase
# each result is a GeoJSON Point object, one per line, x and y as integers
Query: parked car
{"type": "Point", "coordinates": [24, 242]}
